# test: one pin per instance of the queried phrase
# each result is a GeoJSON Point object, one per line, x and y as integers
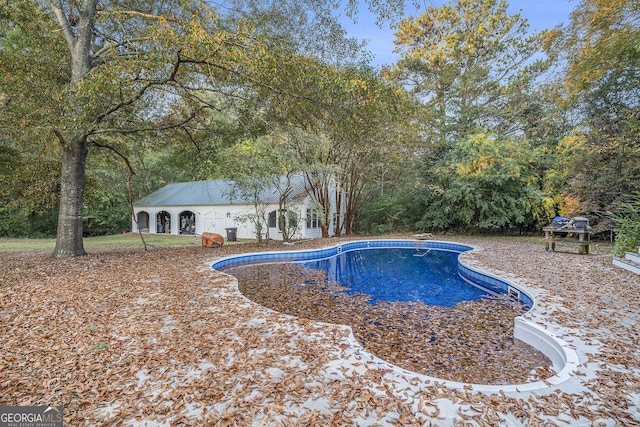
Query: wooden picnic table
{"type": "Point", "coordinates": [571, 236]}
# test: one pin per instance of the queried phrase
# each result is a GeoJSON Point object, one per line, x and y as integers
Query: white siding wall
{"type": "Point", "coordinates": [212, 219]}
{"type": "Point", "coordinates": [314, 233]}
{"type": "Point", "coordinates": [215, 219]}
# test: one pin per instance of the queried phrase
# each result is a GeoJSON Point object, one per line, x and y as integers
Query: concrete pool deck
{"type": "Point", "coordinates": [158, 339]}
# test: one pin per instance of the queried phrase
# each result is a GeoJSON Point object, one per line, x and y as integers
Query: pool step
{"type": "Point", "coordinates": [632, 256]}
{"type": "Point", "coordinates": [630, 262]}
{"type": "Point", "coordinates": [421, 254]}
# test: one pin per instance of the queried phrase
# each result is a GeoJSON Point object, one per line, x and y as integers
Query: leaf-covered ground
{"type": "Point", "coordinates": [157, 338]}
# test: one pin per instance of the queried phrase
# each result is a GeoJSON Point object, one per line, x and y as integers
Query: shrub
{"type": "Point", "coordinates": [627, 220]}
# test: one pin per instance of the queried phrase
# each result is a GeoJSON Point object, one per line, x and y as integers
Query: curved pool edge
{"type": "Point", "coordinates": [563, 357]}
{"type": "Point", "coordinates": [315, 254]}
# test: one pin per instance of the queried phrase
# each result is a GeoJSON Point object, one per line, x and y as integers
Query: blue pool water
{"type": "Point", "coordinates": [400, 274]}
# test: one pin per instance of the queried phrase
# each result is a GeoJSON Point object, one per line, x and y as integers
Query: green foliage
{"type": "Point", "coordinates": [106, 205]}
{"type": "Point", "coordinates": [19, 222]}
{"type": "Point", "coordinates": [627, 224]}
{"type": "Point", "coordinates": [475, 69]}
{"type": "Point", "coordinates": [27, 181]}
{"type": "Point", "coordinates": [12, 222]}
{"type": "Point", "coordinates": [35, 65]}
{"type": "Point", "coordinates": [28, 194]}
{"type": "Point", "coordinates": [465, 60]}
{"type": "Point", "coordinates": [486, 184]}
{"type": "Point", "coordinates": [602, 55]}
{"type": "Point", "coordinates": [387, 213]}
{"type": "Point", "coordinates": [350, 128]}
{"type": "Point", "coordinates": [595, 172]}
{"type": "Point", "coordinates": [105, 220]}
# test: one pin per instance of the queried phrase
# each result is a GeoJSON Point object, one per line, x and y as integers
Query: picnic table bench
{"type": "Point", "coordinates": [571, 236]}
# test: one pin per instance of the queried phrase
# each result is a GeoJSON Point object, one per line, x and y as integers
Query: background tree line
{"type": "Point", "coordinates": [481, 126]}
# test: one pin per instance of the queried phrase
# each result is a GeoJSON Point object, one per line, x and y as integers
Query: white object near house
{"type": "Point", "coordinates": [215, 206]}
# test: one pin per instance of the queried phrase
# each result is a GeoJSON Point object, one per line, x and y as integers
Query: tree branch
{"type": "Point", "coordinates": [129, 191]}
{"type": "Point", "coordinates": [144, 15]}
{"type": "Point", "coordinates": [109, 46]}
{"type": "Point", "coordinates": [64, 23]}
{"type": "Point", "coordinates": [150, 128]}
{"type": "Point", "coordinates": [135, 97]}
{"type": "Point", "coordinates": [60, 137]}
{"type": "Point", "coordinates": [115, 150]}
{"type": "Point", "coordinates": [254, 81]}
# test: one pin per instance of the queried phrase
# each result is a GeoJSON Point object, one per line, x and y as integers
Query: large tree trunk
{"type": "Point", "coordinates": [74, 149]}
{"type": "Point", "coordinates": [69, 239]}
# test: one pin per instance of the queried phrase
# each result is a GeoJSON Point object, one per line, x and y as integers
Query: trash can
{"type": "Point", "coordinates": [232, 233]}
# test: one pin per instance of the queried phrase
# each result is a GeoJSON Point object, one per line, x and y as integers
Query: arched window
{"type": "Point", "coordinates": [143, 221]}
{"type": "Point", "coordinates": [163, 222]}
{"type": "Point", "coordinates": [187, 222]}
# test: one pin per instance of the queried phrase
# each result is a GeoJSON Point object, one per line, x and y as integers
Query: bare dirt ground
{"type": "Point", "coordinates": [157, 338]}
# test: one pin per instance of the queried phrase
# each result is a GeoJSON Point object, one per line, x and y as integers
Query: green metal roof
{"type": "Point", "coordinates": [217, 192]}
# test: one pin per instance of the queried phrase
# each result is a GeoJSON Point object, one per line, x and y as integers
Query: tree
{"type": "Point", "coordinates": [601, 49]}
{"type": "Point", "coordinates": [476, 70]}
{"type": "Point", "coordinates": [261, 166]}
{"type": "Point", "coordinates": [462, 60]}
{"type": "Point", "coordinates": [30, 178]}
{"type": "Point", "coordinates": [128, 65]}
{"type": "Point", "coordinates": [101, 71]}
{"type": "Point", "coordinates": [487, 183]}
{"type": "Point", "coordinates": [337, 140]}
{"type": "Point", "coordinates": [364, 133]}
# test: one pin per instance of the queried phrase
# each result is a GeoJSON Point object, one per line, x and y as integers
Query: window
{"type": "Point", "coordinates": [293, 219]}
{"type": "Point", "coordinates": [273, 219]}
{"type": "Point", "coordinates": [313, 219]}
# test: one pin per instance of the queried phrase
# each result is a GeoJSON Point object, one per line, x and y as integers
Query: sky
{"type": "Point", "coordinates": [541, 14]}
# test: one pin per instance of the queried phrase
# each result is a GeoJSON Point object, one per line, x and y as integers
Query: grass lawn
{"type": "Point", "coordinates": [103, 243]}
{"type": "Point", "coordinates": [132, 241]}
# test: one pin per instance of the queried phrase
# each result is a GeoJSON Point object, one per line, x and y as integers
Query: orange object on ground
{"type": "Point", "coordinates": [212, 240]}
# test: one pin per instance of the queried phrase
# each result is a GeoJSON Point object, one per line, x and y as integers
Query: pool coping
{"type": "Point", "coordinates": [563, 357]}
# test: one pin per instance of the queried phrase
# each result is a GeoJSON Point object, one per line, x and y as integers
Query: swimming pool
{"type": "Point", "coordinates": [380, 280]}
{"type": "Point", "coordinates": [561, 355]}
{"type": "Point", "coordinates": [400, 274]}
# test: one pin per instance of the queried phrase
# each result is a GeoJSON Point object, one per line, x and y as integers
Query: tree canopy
{"type": "Point", "coordinates": [99, 73]}
{"type": "Point", "coordinates": [601, 47]}
{"type": "Point", "coordinates": [481, 125]}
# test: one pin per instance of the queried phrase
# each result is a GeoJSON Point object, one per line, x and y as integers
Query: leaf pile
{"type": "Point", "coordinates": [157, 338]}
